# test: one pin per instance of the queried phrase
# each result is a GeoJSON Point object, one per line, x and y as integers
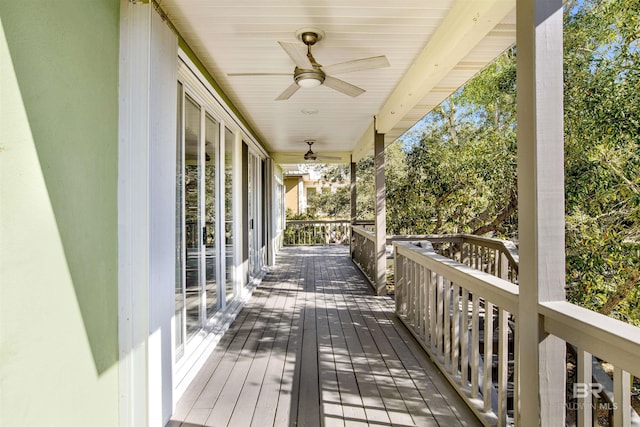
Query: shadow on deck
{"type": "Point", "coordinates": [314, 347]}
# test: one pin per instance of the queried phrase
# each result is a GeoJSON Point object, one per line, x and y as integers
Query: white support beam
{"type": "Point", "coordinates": [364, 147]}
{"type": "Point", "coordinates": [381, 213]}
{"type": "Point", "coordinates": [466, 24]}
{"type": "Point", "coordinates": [540, 207]}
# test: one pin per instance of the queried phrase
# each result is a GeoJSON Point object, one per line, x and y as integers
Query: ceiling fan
{"type": "Point", "coordinates": [310, 156]}
{"type": "Point", "coordinates": [308, 73]}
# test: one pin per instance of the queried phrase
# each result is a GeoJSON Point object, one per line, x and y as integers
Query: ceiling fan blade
{"type": "Point", "coordinates": [258, 74]}
{"type": "Point", "coordinates": [357, 65]}
{"type": "Point", "coordinates": [288, 92]}
{"type": "Point", "coordinates": [343, 87]}
{"type": "Point", "coordinates": [297, 55]}
{"type": "Point", "coordinates": [320, 157]}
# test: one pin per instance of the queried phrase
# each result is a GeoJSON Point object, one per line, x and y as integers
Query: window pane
{"type": "Point", "coordinates": [180, 279]}
{"type": "Point", "coordinates": [228, 214]}
{"type": "Point", "coordinates": [212, 136]}
{"type": "Point", "coordinates": [193, 226]}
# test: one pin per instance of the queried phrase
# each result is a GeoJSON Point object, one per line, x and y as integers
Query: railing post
{"type": "Point", "coordinates": [354, 202]}
{"type": "Point", "coordinates": [540, 208]}
{"type": "Point", "coordinates": [381, 212]}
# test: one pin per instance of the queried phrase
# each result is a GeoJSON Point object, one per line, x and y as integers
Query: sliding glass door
{"type": "Point", "coordinates": [198, 244]}
{"type": "Point", "coordinates": [254, 207]}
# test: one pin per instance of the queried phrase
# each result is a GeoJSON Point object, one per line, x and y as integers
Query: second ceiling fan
{"type": "Point", "coordinates": [308, 73]}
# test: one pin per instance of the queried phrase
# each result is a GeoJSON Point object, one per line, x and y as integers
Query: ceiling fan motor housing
{"type": "Point", "coordinates": [310, 155]}
{"type": "Point", "coordinates": [302, 77]}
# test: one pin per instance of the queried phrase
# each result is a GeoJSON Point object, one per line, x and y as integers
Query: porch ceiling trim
{"type": "Point", "coordinates": [464, 27]}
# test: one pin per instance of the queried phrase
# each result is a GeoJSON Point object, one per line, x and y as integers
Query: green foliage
{"type": "Point", "coordinates": [305, 216]}
{"type": "Point", "coordinates": [602, 155]}
{"type": "Point", "coordinates": [458, 173]}
{"type": "Point", "coordinates": [334, 200]}
{"type": "Point", "coordinates": [331, 204]}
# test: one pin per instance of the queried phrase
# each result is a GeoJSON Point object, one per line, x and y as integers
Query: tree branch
{"type": "Point", "coordinates": [505, 213]}
{"type": "Point", "coordinates": [621, 293]}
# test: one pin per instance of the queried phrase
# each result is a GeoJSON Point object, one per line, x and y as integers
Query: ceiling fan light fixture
{"type": "Point", "coordinates": [310, 155]}
{"type": "Point", "coordinates": [309, 78]}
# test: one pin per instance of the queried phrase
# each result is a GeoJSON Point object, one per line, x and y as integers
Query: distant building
{"type": "Point", "coordinates": [301, 185]}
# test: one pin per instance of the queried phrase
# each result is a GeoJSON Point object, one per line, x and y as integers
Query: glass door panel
{"type": "Point", "coordinates": [179, 318]}
{"type": "Point", "coordinates": [255, 215]}
{"type": "Point", "coordinates": [212, 136]}
{"type": "Point", "coordinates": [250, 206]}
{"type": "Point", "coordinates": [193, 224]}
{"type": "Point", "coordinates": [229, 151]}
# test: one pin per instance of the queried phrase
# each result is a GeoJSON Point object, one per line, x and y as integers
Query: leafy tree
{"type": "Point", "coordinates": [460, 173]}
{"type": "Point", "coordinates": [332, 204]}
{"type": "Point", "coordinates": [457, 173]}
{"type": "Point", "coordinates": [460, 168]}
{"type": "Point", "coordinates": [602, 155]}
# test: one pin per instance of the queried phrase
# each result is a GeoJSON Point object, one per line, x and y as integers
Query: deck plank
{"type": "Point", "coordinates": [314, 347]}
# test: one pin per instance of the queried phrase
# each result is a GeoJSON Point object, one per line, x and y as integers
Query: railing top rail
{"type": "Point", "coordinates": [428, 237]}
{"type": "Point", "coordinates": [610, 339]}
{"type": "Point", "coordinates": [506, 246]}
{"type": "Point", "coordinates": [317, 221]}
{"type": "Point", "coordinates": [364, 222]}
{"type": "Point", "coordinates": [363, 232]}
{"type": "Point", "coordinates": [509, 248]}
{"type": "Point", "coordinates": [499, 291]}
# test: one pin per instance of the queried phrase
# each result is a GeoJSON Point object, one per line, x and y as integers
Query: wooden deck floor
{"type": "Point", "coordinates": [314, 347]}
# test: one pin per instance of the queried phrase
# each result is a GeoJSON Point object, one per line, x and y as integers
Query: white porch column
{"type": "Point", "coordinates": [540, 207]}
{"type": "Point", "coordinates": [146, 215]}
{"type": "Point", "coordinates": [381, 219]}
{"type": "Point", "coordinates": [354, 201]}
{"type": "Point", "coordinates": [354, 192]}
{"type": "Point", "coordinates": [270, 211]}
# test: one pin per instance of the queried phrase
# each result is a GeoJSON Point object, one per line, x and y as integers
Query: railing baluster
{"type": "Point", "coordinates": [488, 355]}
{"type": "Point", "coordinates": [422, 301]}
{"type": "Point", "coordinates": [475, 345]}
{"type": "Point", "coordinates": [424, 290]}
{"type": "Point", "coordinates": [621, 397]}
{"type": "Point", "coordinates": [516, 373]}
{"type": "Point", "coordinates": [410, 300]}
{"type": "Point", "coordinates": [503, 365]}
{"type": "Point", "coordinates": [428, 336]}
{"type": "Point", "coordinates": [464, 340]}
{"type": "Point", "coordinates": [455, 329]}
{"type": "Point", "coordinates": [432, 311]}
{"type": "Point", "coordinates": [583, 366]}
{"type": "Point", "coordinates": [440, 314]}
{"type": "Point", "coordinates": [474, 256]}
{"type": "Point", "coordinates": [447, 324]}
{"type": "Point", "coordinates": [465, 253]}
{"type": "Point", "coordinates": [400, 288]}
{"type": "Point", "coordinates": [418, 280]}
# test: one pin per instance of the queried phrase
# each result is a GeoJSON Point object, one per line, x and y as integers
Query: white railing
{"type": "Point", "coordinates": [494, 256]}
{"type": "Point", "coordinates": [363, 251]}
{"type": "Point", "coordinates": [456, 312]}
{"type": "Point", "coordinates": [317, 232]}
{"type": "Point", "coordinates": [467, 321]}
{"type": "Point", "coordinates": [597, 338]}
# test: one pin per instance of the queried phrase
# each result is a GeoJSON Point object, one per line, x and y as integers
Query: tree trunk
{"type": "Point", "coordinates": [499, 219]}
{"type": "Point", "coordinates": [621, 293]}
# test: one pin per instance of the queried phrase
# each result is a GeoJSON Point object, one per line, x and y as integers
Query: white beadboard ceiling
{"type": "Point", "coordinates": [433, 47]}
